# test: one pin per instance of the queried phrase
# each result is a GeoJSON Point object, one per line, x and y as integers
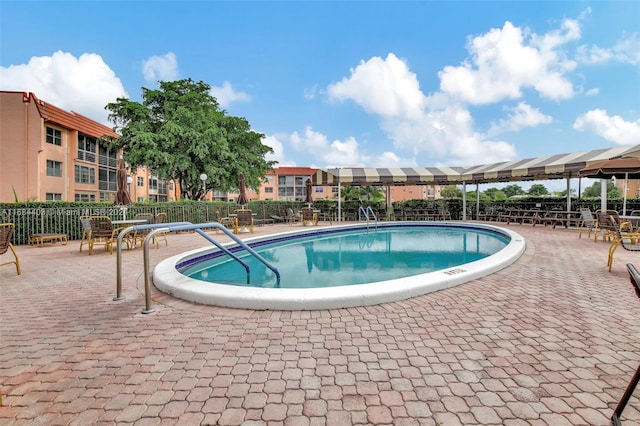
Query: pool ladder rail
{"type": "Point", "coordinates": [176, 227]}
{"type": "Point", "coordinates": [368, 214]}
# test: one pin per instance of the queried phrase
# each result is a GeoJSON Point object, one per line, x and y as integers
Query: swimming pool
{"type": "Point", "coordinates": [377, 287]}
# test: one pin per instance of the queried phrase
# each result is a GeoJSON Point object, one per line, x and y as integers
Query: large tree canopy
{"type": "Point", "coordinates": [179, 132]}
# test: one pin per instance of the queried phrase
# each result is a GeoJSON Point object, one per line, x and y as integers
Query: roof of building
{"type": "Point", "coordinates": [69, 119]}
{"type": "Point", "coordinates": [289, 170]}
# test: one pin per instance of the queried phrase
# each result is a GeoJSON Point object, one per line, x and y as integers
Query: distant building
{"type": "Point", "coordinates": [49, 154]}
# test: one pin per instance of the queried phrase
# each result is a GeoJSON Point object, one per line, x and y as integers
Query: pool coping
{"type": "Point", "coordinates": [169, 280]}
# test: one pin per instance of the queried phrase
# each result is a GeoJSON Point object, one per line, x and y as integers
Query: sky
{"type": "Point", "coordinates": [352, 83]}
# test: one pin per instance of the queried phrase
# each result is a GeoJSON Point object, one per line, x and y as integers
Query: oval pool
{"type": "Point", "coordinates": [342, 266]}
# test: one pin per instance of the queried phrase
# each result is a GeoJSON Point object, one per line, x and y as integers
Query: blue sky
{"type": "Point", "coordinates": [353, 83]}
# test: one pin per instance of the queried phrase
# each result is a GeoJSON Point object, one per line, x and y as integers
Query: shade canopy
{"type": "Point", "coordinates": [560, 166]}
{"type": "Point", "coordinates": [621, 168]}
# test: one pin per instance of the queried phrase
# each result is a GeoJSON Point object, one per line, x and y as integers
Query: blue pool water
{"type": "Point", "coordinates": [352, 256]}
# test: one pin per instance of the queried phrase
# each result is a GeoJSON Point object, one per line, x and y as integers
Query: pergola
{"type": "Point", "coordinates": [561, 166]}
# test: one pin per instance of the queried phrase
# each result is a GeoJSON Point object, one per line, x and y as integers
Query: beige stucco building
{"type": "Point", "coordinates": [49, 154]}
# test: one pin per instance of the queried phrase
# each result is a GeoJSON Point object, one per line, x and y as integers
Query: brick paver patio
{"type": "Point", "coordinates": [551, 340]}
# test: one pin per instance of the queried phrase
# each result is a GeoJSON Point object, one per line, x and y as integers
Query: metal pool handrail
{"type": "Point", "coordinates": [121, 236]}
{"type": "Point", "coordinates": [365, 212]}
{"type": "Point", "coordinates": [197, 228]}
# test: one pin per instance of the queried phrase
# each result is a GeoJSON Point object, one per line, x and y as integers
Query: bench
{"type": "Point", "coordinates": [40, 239]}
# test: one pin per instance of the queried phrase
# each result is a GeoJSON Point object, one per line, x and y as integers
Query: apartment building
{"type": "Point", "coordinates": [49, 154]}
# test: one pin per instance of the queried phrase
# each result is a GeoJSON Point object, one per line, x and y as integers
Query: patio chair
{"type": "Point", "coordinates": [140, 235]}
{"type": "Point", "coordinates": [103, 233]}
{"type": "Point", "coordinates": [292, 217]}
{"type": "Point", "coordinates": [587, 222]}
{"type": "Point", "coordinates": [309, 217]}
{"type": "Point", "coordinates": [86, 231]}
{"type": "Point", "coordinates": [606, 227]}
{"type": "Point", "coordinates": [243, 220]}
{"type": "Point", "coordinates": [6, 234]}
{"type": "Point", "coordinates": [160, 218]}
{"type": "Point", "coordinates": [628, 240]}
{"type": "Point", "coordinates": [225, 221]}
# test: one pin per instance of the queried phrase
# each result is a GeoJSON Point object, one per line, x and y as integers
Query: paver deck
{"type": "Point", "coordinates": [550, 340]}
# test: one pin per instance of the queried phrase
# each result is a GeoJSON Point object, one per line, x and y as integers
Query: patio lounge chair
{"type": "Point", "coordinates": [103, 232]}
{"type": "Point", "coordinates": [243, 219]}
{"type": "Point", "coordinates": [634, 277]}
{"type": "Point", "coordinates": [6, 234]}
{"type": "Point", "coordinates": [281, 218]}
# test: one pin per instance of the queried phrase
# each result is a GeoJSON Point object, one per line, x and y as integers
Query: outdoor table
{"type": "Point", "coordinates": [562, 217]}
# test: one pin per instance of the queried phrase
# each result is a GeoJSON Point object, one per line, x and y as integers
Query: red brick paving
{"type": "Point", "coordinates": [551, 340]}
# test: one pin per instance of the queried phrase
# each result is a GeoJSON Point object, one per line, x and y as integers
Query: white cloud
{"type": "Point", "coordinates": [63, 79]}
{"type": "Point", "coordinates": [160, 68]}
{"type": "Point", "coordinates": [278, 151]}
{"type": "Point", "coordinates": [505, 61]}
{"type": "Point", "coordinates": [612, 128]}
{"type": "Point", "coordinates": [346, 153]}
{"type": "Point", "coordinates": [310, 92]}
{"type": "Point", "coordinates": [384, 87]}
{"type": "Point", "coordinates": [625, 50]}
{"type": "Point", "coordinates": [435, 127]}
{"type": "Point", "coordinates": [519, 117]}
{"type": "Point", "coordinates": [592, 92]}
{"type": "Point", "coordinates": [226, 95]}
{"type": "Point", "coordinates": [334, 154]}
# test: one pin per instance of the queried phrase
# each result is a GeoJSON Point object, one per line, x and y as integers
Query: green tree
{"type": "Point", "coordinates": [495, 194]}
{"type": "Point", "coordinates": [512, 190]}
{"type": "Point", "coordinates": [451, 191]}
{"type": "Point", "coordinates": [361, 193]}
{"type": "Point", "coordinates": [538, 189]}
{"type": "Point", "coordinates": [350, 193]}
{"type": "Point", "coordinates": [370, 193]}
{"type": "Point", "coordinates": [593, 191]}
{"type": "Point", "coordinates": [179, 132]}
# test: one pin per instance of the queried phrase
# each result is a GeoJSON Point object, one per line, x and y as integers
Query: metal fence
{"type": "Point", "coordinates": [66, 220]}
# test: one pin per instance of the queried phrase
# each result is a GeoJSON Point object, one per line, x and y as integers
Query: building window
{"type": "Point", "coordinates": [140, 181]}
{"type": "Point", "coordinates": [84, 198]}
{"type": "Point", "coordinates": [54, 136]}
{"type": "Point", "coordinates": [285, 191]}
{"type": "Point", "coordinates": [86, 148]}
{"type": "Point", "coordinates": [268, 190]}
{"type": "Point", "coordinates": [107, 179]}
{"type": "Point", "coordinates": [52, 196]}
{"type": "Point", "coordinates": [153, 183]}
{"type": "Point", "coordinates": [54, 168]}
{"type": "Point", "coordinates": [141, 199]}
{"type": "Point", "coordinates": [85, 175]}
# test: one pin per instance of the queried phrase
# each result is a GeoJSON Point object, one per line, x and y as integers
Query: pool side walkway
{"type": "Point", "coordinates": [551, 340]}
